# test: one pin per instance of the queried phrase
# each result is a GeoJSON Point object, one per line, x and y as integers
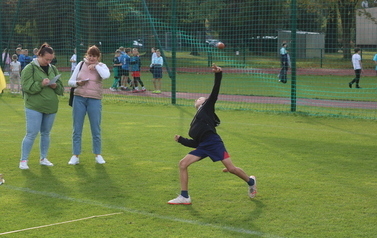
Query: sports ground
{"type": "Point", "coordinates": [316, 177]}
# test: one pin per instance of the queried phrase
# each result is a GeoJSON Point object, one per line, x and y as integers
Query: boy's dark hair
{"type": "Point", "coordinates": [357, 50]}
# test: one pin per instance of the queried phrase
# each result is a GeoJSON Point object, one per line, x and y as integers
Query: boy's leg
{"type": "Point", "coordinates": [115, 83]}
{"type": "Point", "coordinates": [235, 170]}
{"type": "Point", "coordinates": [184, 198]}
{"type": "Point", "coordinates": [121, 82]}
{"type": "Point", "coordinates": [251, 181]}
{"type": "Point", "coordinates": [183, 173]}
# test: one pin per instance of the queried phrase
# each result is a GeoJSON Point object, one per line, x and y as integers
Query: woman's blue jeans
{"type": "Point", "coordinates": [93, 107]}
{"type": "Point", "coordinates": [37, 122]}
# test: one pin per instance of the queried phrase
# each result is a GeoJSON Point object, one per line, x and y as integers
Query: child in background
{"type": "Point", "coordinates": [21, 58]}
{"type": "Point", "coordinates": [28, 59]}
{"type": "Point", "coordinates": [73, 61]}
{"type": "Point", "coordinates": [375, 62]}
{"type": "Point", "coordinates": [117, 68]}
{"type": "Point", "coordinates": [125, 69]}
{"type": "Point", "coordinates": [15, 77]}
{"type": "Point", "coordinates": [153, 56]}
{"type": "Point", "coordinates": [35, 52]}
{"type": "Point", "coordinates": [135, 65]}
{"type": "Point", "coordinates": [157, 63]}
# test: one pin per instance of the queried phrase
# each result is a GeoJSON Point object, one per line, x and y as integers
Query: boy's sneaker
{"type": "Point", "coordinates": [23, 164]}
{"type": "Point", "coordinates": [45, 162]}
{"type": "Point", "coordinates": [180, 200]}
{"type": "Point", "coordinates": [113, 89]}
{"type": "Point", "coordinates": [253, 189]}
{"type": "Point", "coordinates": [143, 89]}
{"type": "Point", "coordinates": [74, 160]}
{"type": "Point", "coordinates": [100, 160]}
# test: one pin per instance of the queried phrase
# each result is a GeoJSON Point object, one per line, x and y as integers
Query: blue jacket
{"type": "Point", "coordinates": [125, 59]}
{"type": "Point", "coordinates": [135, 63]}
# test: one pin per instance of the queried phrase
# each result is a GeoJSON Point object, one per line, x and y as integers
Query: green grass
{"type": "Point", "coordinates": [316, 177]}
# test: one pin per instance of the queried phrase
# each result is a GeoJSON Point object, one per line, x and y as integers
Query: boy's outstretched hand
{"type": "Point", "coordinates": [216, 69]}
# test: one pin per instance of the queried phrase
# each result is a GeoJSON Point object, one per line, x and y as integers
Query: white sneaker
{"type": "Point", "coordinates": [23, 164]}
{"type": "Point", "coordinates": [252, 190]}
{"type": "Point", "coordinates": [100, 160]}
{"type": "Point", "coordinates": [74, 160]}
{"type": "Point", "coordinates": [45, 162]}
{"type": "Point", "coordinates": [180, 200]}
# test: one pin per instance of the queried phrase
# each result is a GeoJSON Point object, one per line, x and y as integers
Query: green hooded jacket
{"type": "Point", "coordinates": [39, 98]}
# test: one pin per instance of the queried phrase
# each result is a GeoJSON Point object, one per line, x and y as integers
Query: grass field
{"type": "Point", "coordinates": [316, 177]}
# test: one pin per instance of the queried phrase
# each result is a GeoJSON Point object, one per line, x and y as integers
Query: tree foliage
{"type": "Point", "coordinates": [235, 21]}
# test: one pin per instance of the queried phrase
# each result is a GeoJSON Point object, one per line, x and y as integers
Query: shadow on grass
{"type": "Point", "coordinates": [47, 183]}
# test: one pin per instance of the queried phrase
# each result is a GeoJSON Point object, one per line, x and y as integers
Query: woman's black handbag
{"type": "Point", "coordinates": [71, 92]}
{"type": "Point", "coordinates": [71, 95]}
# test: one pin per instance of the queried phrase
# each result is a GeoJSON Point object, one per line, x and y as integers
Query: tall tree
{"type": "Point", "coordinates": [347, 10]}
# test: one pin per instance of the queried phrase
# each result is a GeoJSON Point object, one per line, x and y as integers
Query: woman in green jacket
{"type": "Point", "coordinates": [41, 103]}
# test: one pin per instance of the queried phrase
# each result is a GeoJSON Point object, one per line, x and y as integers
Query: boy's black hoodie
{"type": "Point", "coordinates": [205, 119]}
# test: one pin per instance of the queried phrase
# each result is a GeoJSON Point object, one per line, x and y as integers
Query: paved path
{"type": "Point", "coordinates": [257, 99]}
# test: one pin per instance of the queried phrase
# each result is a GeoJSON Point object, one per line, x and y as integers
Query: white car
{"type": "Point", "coordinates": [212, 42]}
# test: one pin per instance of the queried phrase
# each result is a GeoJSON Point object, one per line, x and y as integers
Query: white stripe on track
{"type": "Point", "coordinates": [59, 223]}
{"type": "Point", "coordinates": [134, 211]}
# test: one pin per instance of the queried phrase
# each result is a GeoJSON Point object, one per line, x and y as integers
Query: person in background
{"type": "Point", "coordinates": [153, 55]}
{"type": "Point", "coordinates": [21, 58]}
{"type": "Point", "coordinates": [156, 65]}
{"type": "Point", "coordinates": [284, 60]}
{"type": "Point", "coordinates": [375, 62]}
{"type": "Point", "coordinates": [28, 59]}
{"type": "Point", "coordinates": [117, 65]}
{"type": "Point", "coordinates": [6, 59]}
{"type": "Point", "coordinates": [87, 80]}
{"type": "Point", "coordinates": [35, 53]}
{"type": "Point", "coordinates": [73, 61]}
{"type": "Point", "coordinates": [135, 65]}
{"type": "Point", "coordinates": [15, 77]}
{"type": "Point", "coordinates": [41, 103]}
{"type": "Point", "coordinates": [125, 69]}
{"type": "Point", "coordinates": [357, 67]}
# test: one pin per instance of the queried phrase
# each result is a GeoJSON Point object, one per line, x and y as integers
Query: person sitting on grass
{"type": "Point", "coordinates": [207, 143]}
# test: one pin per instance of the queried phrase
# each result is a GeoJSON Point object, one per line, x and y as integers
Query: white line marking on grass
{"type": "Point", "coordinates": [60, 223]}
{"type": "Point", "coordinates": [130, 210]}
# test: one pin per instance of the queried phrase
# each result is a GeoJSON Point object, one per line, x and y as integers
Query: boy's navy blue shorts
{"type": "Point", "coordinates": [212, 147]}
{"type": "Point", "coordinates": [124, 72]}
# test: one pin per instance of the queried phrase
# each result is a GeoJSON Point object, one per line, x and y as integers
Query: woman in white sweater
{"type": "Point", "coordinates": [87, 80]}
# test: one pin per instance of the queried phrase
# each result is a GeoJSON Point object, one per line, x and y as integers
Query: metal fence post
{"type": "Point", "coordinates": [293, 54]}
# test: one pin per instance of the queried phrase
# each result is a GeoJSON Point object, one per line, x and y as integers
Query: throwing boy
{"type": "Point", "coordinates": [207, 143]}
